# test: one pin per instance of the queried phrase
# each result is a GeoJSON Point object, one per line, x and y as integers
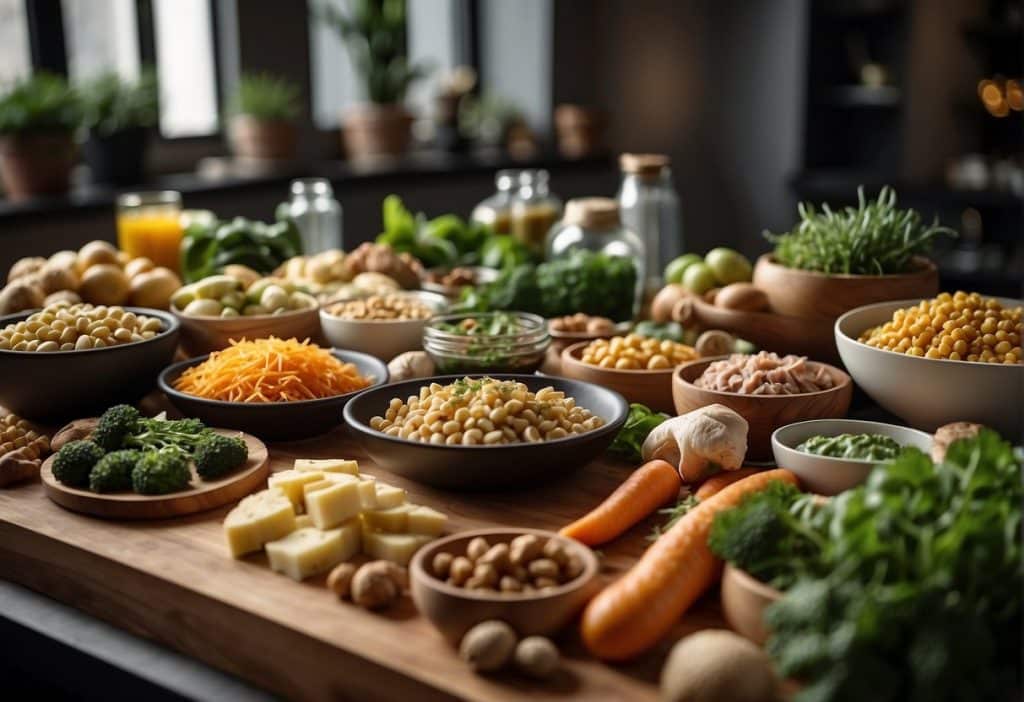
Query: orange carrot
{"type": "Point", "coordinates": [718, 482]}
{"type": "Point", "coordinates": [650, 486]}
{"type": "Point", "coordinates": [633, 613]}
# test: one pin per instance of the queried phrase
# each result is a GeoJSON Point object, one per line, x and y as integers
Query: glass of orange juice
{"type": "Point", "coordinates": [149, 224]}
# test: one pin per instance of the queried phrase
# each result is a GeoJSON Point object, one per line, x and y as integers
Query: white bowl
{"type": "Point", "coordinates": [929, 392]}
{"type": "Point", "coordinates": [382, 338]}
{"type": "Point", "coordinates": [826, 475]}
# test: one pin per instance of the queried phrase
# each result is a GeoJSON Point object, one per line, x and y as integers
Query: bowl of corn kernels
{"type": "Point", "coordinates": [639, 367]}
{"type": "Point", "coordinates": [954, 357]}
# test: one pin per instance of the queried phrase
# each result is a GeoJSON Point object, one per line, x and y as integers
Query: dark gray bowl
{"type": "Point", "coordinates": [271, 421]}
{"type": "Point", "coordinates": [484, 467]}
{"type": "Point", "coordinates": [61, 385]}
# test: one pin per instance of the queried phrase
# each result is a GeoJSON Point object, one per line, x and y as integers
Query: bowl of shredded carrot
{"type": "Point", "coordinates": [277, 389]}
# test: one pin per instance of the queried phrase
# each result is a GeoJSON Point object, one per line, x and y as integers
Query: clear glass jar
{"type": "Point", "coordinates": [534, 210]}
{"type": "Point", "coordinates": [650, 207]}
{"type": "Point", "coordinates": [149, 224]}
{"type": "Point", "coordinates": [496, 210]}
{"type": "Point", "coordinates": [593, 223]}
{"type": "Point", "coordinates": [316, 213]}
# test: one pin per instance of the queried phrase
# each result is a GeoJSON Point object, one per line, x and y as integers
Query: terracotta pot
{"type": "Point", "coordinates": [744, 599]}
{"type": "Point", "coordinates": [371, 130]}
{"type": "Point", "coordinates": [36, 163]}
{"type": "Point", "coordinates": [579, 129]}
{"type": "Point", "coordinates": [252, 137]}
{"type": "Point", "coordinates": [118, 158]}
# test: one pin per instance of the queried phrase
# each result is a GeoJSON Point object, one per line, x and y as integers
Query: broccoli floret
{"type": "Point", "coordinates": [116, 423]}
{"type": "Point", "coordinates": [155, 434]}
{"type": "Point", "coordinates": [161, 472]}
{"type": "Point", "coordinates": [113, 472]}
{"type": "Point", "coordinates": [75, 461]}
{"type": "Point", "coordinates": [217, 455]}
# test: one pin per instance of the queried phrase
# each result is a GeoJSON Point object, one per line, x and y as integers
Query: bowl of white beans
{"type": "Point", "coordinates": [66, 361]}
{"type": "Point", "coordinates": [483, 432]}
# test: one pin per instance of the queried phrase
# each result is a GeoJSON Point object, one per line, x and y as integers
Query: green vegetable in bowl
{"type": "Point", "coordinates": [860, 447]}
{"type": "Point", "coordinates": [113, 472]}
{"type": "Point", "coordinates": [75, 461]}
{"type": "Point", "coordinates": [115, 425]}
{"type": "Point", "coordinates": [640, 421]}
{"type": "Point", "coordinates": [161, 472]}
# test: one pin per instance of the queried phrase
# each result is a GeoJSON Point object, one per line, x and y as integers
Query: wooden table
{"type": "Point", "coordinates": [174, 582]}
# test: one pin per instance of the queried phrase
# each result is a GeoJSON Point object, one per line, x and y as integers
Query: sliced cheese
{"type": "Point", "coordinates": [292, 482]}
{"type": "Point", "coordinates": [327, 465]}
{"type": "Point", "coordinates": [302, 521]}
{"type": "Point", "coordinates": [394, 520]}
{"type": "Point", "coordinates": [331, 502]}
{"type": "Point", "coordinates": [309, 551]}
{"type": "Point", "coordinates": [367, 487]}
{"type": "Point", "coordinates": [389, 496]}
{"type": "Point", "coordinates": [259, 518]}
{"type": "Point", "coordinates": [424, 520]}
{"type": "Point", "coordinates": [397, 548]}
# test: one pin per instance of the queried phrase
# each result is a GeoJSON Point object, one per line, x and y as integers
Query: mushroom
{"type": "Point", "coordinates": [409, 365]}
{"type": "Point", "coordinates": [947, 434]}
{"type": "Point", "coordinates": [699, 441]}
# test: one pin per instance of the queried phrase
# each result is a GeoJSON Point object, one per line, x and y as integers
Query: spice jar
{"type": "Point", "coordinates": [650, 207]}
{"type": "Point", "coordinates": [495, 211]}
{"type": "Point", "coordinates": [534, 210]}
{"type": "Point", "coordinates": [316, 213]}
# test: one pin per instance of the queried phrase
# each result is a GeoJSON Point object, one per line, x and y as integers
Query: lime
{"type": "Point", "coordinates": [728, 266]}
{"type": "Point", "coordinates": [674, 270]}
{"type": "Point", "coordinates": [698, 278]}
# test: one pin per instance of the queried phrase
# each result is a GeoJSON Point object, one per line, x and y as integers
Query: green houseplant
{"type": "Point", "coordinates": [38, 116]}
{"type": "Point", "coordinates": [118, 116]}
{"type": "Point", "coordinates": [375, 34]}
{"type": "Point", "coordinates": [263, 111]}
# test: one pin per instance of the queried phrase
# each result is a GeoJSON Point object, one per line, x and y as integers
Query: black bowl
{"type": "Point", "coordinates": [484, 467]}
{"type": "Point", "coordinates": [61, 385]}
{"type": "Point", "coordinates": [271, 421]}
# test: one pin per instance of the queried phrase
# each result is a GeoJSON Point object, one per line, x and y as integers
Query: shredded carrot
{"type": "Point", "coordinates": [270, 370]}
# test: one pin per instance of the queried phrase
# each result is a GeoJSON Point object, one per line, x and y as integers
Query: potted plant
{"type": "Point", "coordinates": [37, 120]}
{"type": "Point", "coordinates": [118, 116]}
{"type": "Point", "coordinates": [263, 111]}
{"type": "Point", "coordinates": [375, 35]}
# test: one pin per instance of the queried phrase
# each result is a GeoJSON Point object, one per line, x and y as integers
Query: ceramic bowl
{"type": "Point", "coordinates": [764, 413]}
{"type": "Point", "coordinates": [271, 421]}
{"type": "Point", "coordinates": [484, 467]}
{"type": "Point", "coordinates": [203, 335]}
{"type": "Point", "coordinates": [648, 387]}
{"type": "Point", "coordinates": [52, 387]}
{"type": "Point", "coordinates": [744, 599]}
{"type": "Point", "coordinates": [454, 610]}
{"type": "Point", "coordinates": [384, 339]}
{"type": "Point", "coordinates": [826, 475]}
{"type": "Point", "coordinates": [929, 392]}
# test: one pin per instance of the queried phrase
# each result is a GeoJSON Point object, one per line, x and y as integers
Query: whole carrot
{"type": "Point", "coordinates": [633, 613]}
{"type": "Point", "coordinates": [718, 482]}
{"type": "Point", "coordinates": [649, 487]}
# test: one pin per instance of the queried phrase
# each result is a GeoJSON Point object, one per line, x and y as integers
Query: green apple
{"type": "Point", "coordinates": [677, 266]}
{"type": "Point", "coordinates": [728, 266]}
{"type": "Point", "coordinates": [698, 278]}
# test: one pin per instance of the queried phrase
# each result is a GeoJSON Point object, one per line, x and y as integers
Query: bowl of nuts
{"type": "Point", "coordinates": [381, 325]}
{"type": "Point", "coordinates": [67, 361]}
{"type": "Point", "coordinates": [450, 281]}
{"type": "Point", "coordinates": [534, 580]}
{"type": "Point", "coordinates": [639, 367]}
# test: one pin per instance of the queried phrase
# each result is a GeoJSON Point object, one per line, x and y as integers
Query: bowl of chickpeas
{"type": "Point", "coordinates": [381, 325]}
{"type": "Point", "coordinates": [67, 360]}
{"type": "Point", "coordinates": [480, 432]}
{"type": "Point", "coordinates": [637, 366]}
{"type": "Point", "coordinates": [954, 357]}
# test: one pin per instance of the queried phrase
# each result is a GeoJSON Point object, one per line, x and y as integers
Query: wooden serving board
{"type": "Point", "coordinates": [172, 580]}
{"type": "Point", "coordinates": [203, 494]}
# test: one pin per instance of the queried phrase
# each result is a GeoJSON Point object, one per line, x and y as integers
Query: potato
{"type": "Point", "coordinates": [742, 296]}
{"type": "Point", "coordinates": [55, 276]}
{"type": "Point", "coordinates": [665, 300]}
{"type": "Point", "coordinates": [19, 296]}
{"type": "Point", "coordinates": [25, 266]}
{"type": "Point", "coordinates": [95, 253]}
{"type": "Point", "coordinates": [68, 296]}
{"type": "Point", "coordinates": [137, 266]}
{"type": "Point", "coordinates": [64, 259]}
{"type": "Point", "coordinates": [104, 284]}
{"type": "Point", "coordinates": [154, 288]}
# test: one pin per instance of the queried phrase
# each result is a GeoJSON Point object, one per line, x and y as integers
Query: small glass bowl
{"type": "Point", "coordinates": [520, 351]}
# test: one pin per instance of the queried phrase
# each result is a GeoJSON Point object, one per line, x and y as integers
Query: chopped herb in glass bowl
{"type": "Point", "coordinates": [496, 342]}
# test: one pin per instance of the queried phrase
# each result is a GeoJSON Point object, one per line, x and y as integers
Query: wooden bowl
{"type": "Point", "coordinates": [764, 413]}
{"type": "Point", "coordinates": [561, 340]}
{"type": "Point", "coordinates": [455, 610]}
{"type": "Point", "coordinates": [203, 335]}
{"type": "Point", "coordinates": [648, 387]}
{"type": "Point", "coordinates": [744, 599]}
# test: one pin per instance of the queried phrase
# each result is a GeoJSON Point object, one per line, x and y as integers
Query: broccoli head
{"type": "Point", "coordinates": [164, 433]}
{"type": "Point", "coordinates": [161, 472]}
{"type": "Point", "coordinates": [113, 472]}
{"type": "Point", "coordinates": [75, 461]}
{"type": "Point", "coordinates": [217, 455]}
{"type": "Point", "coordinates": [116, 424]}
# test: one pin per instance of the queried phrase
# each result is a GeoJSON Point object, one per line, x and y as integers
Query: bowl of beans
{"type": "Point", "coordinates": [490, 431]}
{"type": "Point", "coordinates": [380, 325]}
{"type": "Point", "coordinates": [535, 580]}
{"type": "Point", "coordinates": [639, 367]}
{"type": "Point", "coordinates": [954, 357]}
{"type": "Point", "coordinates": [66, 360]}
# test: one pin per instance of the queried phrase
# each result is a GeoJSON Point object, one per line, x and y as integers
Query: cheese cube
{"type": "Point", "coordinates": [291, 483]}
{"type": "Point", "coordinates": [302, 521]}
{"type": "Point", "coordinates": [367, 487]}
{"type": "Point", "coordinates": [309, 551]}
{"type": "Point", "coordinates": [389, 496]}
{"type": "Point", "coordinates": [334, 503]}
{"type": "Point", "coordinates": [394, 520]}
{"type": "Point", "coordinates": [257, 519]}
{"type": "Point", "coordinates": [424, 520]}
{"type": "Point", "coordinates": [327, 465]}
{"type": "Point", "coordinates": [397, 548]}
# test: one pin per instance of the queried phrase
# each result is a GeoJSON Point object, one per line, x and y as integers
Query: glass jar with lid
{"type": "Point", "coordinates": [593, 223]}
{"type": "Point", "coordinates": [316, 213]}
{"type": "Point", "coordinates": [496, 210]}
{"type": "Point", "coordinates": [534, 210]}
{"type": "Point", "coordinates": [650, 207]}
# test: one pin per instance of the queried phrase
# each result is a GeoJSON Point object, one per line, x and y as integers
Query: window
{"type": "Point", "coordinates": [185, 67]}
{"type": "Point", "coordinates": [15, 57]}
{"type": "Point", "coordinates": [101, 37]}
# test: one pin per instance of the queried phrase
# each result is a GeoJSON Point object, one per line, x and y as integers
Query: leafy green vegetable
{"type": "Point", "coordinates": [640, 421]}
{"type": "Point", "coordinates": [162, 471]}
{"type": "Point", "coordinates": [74, 461]}
{"type": "Point", "coordinates": [43, 102]}
{"type": "Point", "coordinates": [111, 105]}
{"type": "Point", "coordinates": [875, 238]}
{"type": "Point", "coordinates": [209, 246]}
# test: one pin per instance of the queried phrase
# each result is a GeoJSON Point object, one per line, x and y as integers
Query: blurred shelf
{"type": "Point", "coordinates": [863, 96]}
{"type": "Point", "coordinates": [842, 186]}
